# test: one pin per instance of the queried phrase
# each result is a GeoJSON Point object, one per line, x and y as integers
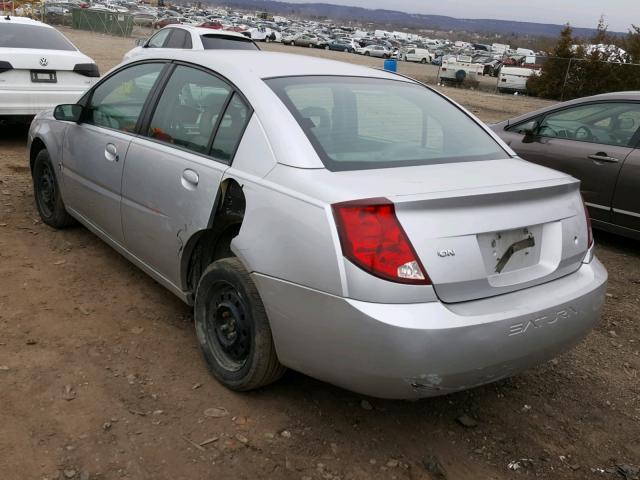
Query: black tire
{"type": "Point", "coordinates": [47, 193]}
{"type": "Point", "coordinates": [367, 54]}
{"type": "Point", "coordinates": [423, 61]}
{"type": "Point", "coordinates": [233, 329]}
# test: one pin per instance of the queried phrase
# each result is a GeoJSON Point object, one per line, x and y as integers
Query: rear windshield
{"type": "Point", "coordinates": [364, 123]}
{"type": "Point", "coordinates": [18, 35]}
{"type": "Point", "coordinates": [219, 42]}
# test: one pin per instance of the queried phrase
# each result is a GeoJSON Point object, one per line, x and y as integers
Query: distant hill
{"type": "Point", "coordinates": [340, 13]}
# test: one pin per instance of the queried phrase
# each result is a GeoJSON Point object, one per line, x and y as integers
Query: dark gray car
{"type": "Point", "coordinates": [595, 139]}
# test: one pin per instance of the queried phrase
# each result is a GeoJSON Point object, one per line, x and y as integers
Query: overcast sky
{"type": "Point", "coordinates": [580, 13]}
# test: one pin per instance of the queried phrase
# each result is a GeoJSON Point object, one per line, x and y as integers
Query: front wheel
{"type": "Point", "coordinates": [423, 61]}
{"type": "Point", "coordinates": [233, 329]}
{"type": "Point", "coordinates": [47, 193]}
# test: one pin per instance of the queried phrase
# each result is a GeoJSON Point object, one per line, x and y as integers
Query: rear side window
{"type": "Point", "coordinates": [118, 101]}
{"type": "Point", "coordinates": [31, 36]}
{"type": "Point", "coordinates": [222, 42]}
{"type": "Point", "coordinates": [363, 123]}
{"type": "Point", "coordinates": [231, 129]}
{"type": "Point", "coordinates": [177, 39]}
{"type": "Point", "coordinates": [189, 109]}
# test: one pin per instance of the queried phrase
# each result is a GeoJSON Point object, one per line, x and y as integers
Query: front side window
{"type": "Point", "coordinates": [31, 36]}
{"type": "Point", "coordinates": [363, 123]}
{"type": "Point", "coordinates": [118, 101]}
{"type": "Point", "coordinates": [189, 109]}
{"type": "Point", "coordinates": [529, 126]}
{"type": "Point", "coordinates": [157, 41]}
{"type": "Point", "coordinates": [611, 123]}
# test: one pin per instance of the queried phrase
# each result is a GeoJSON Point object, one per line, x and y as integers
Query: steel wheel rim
{"type": "Point", "coordinates": [47, 191]}
{"type": "Point", "coordinates": [228, 329]}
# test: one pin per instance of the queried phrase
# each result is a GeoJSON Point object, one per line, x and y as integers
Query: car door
{"type": "Point", "coordinates": [411, 55]}
{"type": "Point", "coordinates": [94, 150]}
{"type": "Point", "coordinates": [585, 141]}
{"type": "Point", "coordinates": [626, 201]}
{"type": "Point", "coordinates": [173, 170]}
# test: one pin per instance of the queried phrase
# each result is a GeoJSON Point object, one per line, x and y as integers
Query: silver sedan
{"type": "Point", "coordinates": [340, 221]}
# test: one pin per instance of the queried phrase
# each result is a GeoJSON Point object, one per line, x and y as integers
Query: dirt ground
{"type": "Point", "coordinates": [101, 377]}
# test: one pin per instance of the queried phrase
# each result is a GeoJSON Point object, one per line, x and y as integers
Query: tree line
{"type": "Point", "coordinates": [574, 70]}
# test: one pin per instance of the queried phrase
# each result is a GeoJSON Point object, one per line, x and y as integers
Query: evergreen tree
{"type": "Point", "coordinates": [549, 84]}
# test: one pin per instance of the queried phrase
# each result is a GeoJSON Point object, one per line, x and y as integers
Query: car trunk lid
{"type": "Point", "coordinates": [482, 228]}
{"type": "Point", "coordinates": [483, 242]}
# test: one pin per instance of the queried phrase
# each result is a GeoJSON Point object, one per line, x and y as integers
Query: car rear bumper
{"type": "Point", "coordinates": [32, 102]}
{"type": "Point", "coordinates": [429, 349]}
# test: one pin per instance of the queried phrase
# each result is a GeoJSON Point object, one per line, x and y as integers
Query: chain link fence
{"type": "Point", "coordinates": [569, 78]}
{"type": "Point", "coordinates": [122, 24]}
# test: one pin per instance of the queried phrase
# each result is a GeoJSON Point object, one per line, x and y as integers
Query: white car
{"type": "Point", "coordinates": [187, 37]}
{"type": "Point", "coordinates": [514, 79]}
{"type": "Point", "coordinates": [419, 55]}
{"type": "Point", "coordinates": [39, 68]}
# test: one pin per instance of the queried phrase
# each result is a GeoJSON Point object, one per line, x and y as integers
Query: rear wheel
{"type": "Point", "coordinates": [423, 61]}
{"type": "Point", "coordinates": [47, 193]}
{"type": "Point", "coordinates": [233, 329]}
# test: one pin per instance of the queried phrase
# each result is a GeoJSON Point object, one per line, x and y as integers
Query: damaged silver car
{"type": "Point", "coordinates": [344, 222]}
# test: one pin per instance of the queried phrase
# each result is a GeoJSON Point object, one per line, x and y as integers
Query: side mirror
{"type": "Point", "coordinates": [68, 112]}
{"type": "Point", "coordinates": [529, 135]}
{"type": "Point", "coordinates": [141, 42]}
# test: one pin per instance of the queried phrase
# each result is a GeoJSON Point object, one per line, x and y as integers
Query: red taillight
{"type": "Point", "coordinates": [589, 229]}
{"type": "Point", "coordinates": [372, 238]}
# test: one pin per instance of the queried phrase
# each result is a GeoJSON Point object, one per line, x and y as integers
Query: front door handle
{"type": "Point", "coordinates": [190, 179]}
{"type": "Point", "coordinates": [111, 153]}
{"type": "Point", "coordinates": [603, 157]}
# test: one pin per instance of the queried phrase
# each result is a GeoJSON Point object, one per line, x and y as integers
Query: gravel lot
{"type": "Point", "coordinates": [101, 377]}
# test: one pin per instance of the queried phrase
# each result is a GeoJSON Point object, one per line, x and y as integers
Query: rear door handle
{"type": "Point", "coordinates": [190, 177]}
{"type": "Point", "coordinates": [111, 153]}
{"type": "Point", "coordinates": [603, 157]}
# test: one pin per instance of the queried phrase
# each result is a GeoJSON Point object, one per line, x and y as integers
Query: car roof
{"type": "Point", "coordinates": [262, 65]}
{"type": "Point", "coordinates": [206, 31]}
{"type": "Point", "coordinates": [609, 97]}
{"type": "Point", "coordinates": [23, 21]}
